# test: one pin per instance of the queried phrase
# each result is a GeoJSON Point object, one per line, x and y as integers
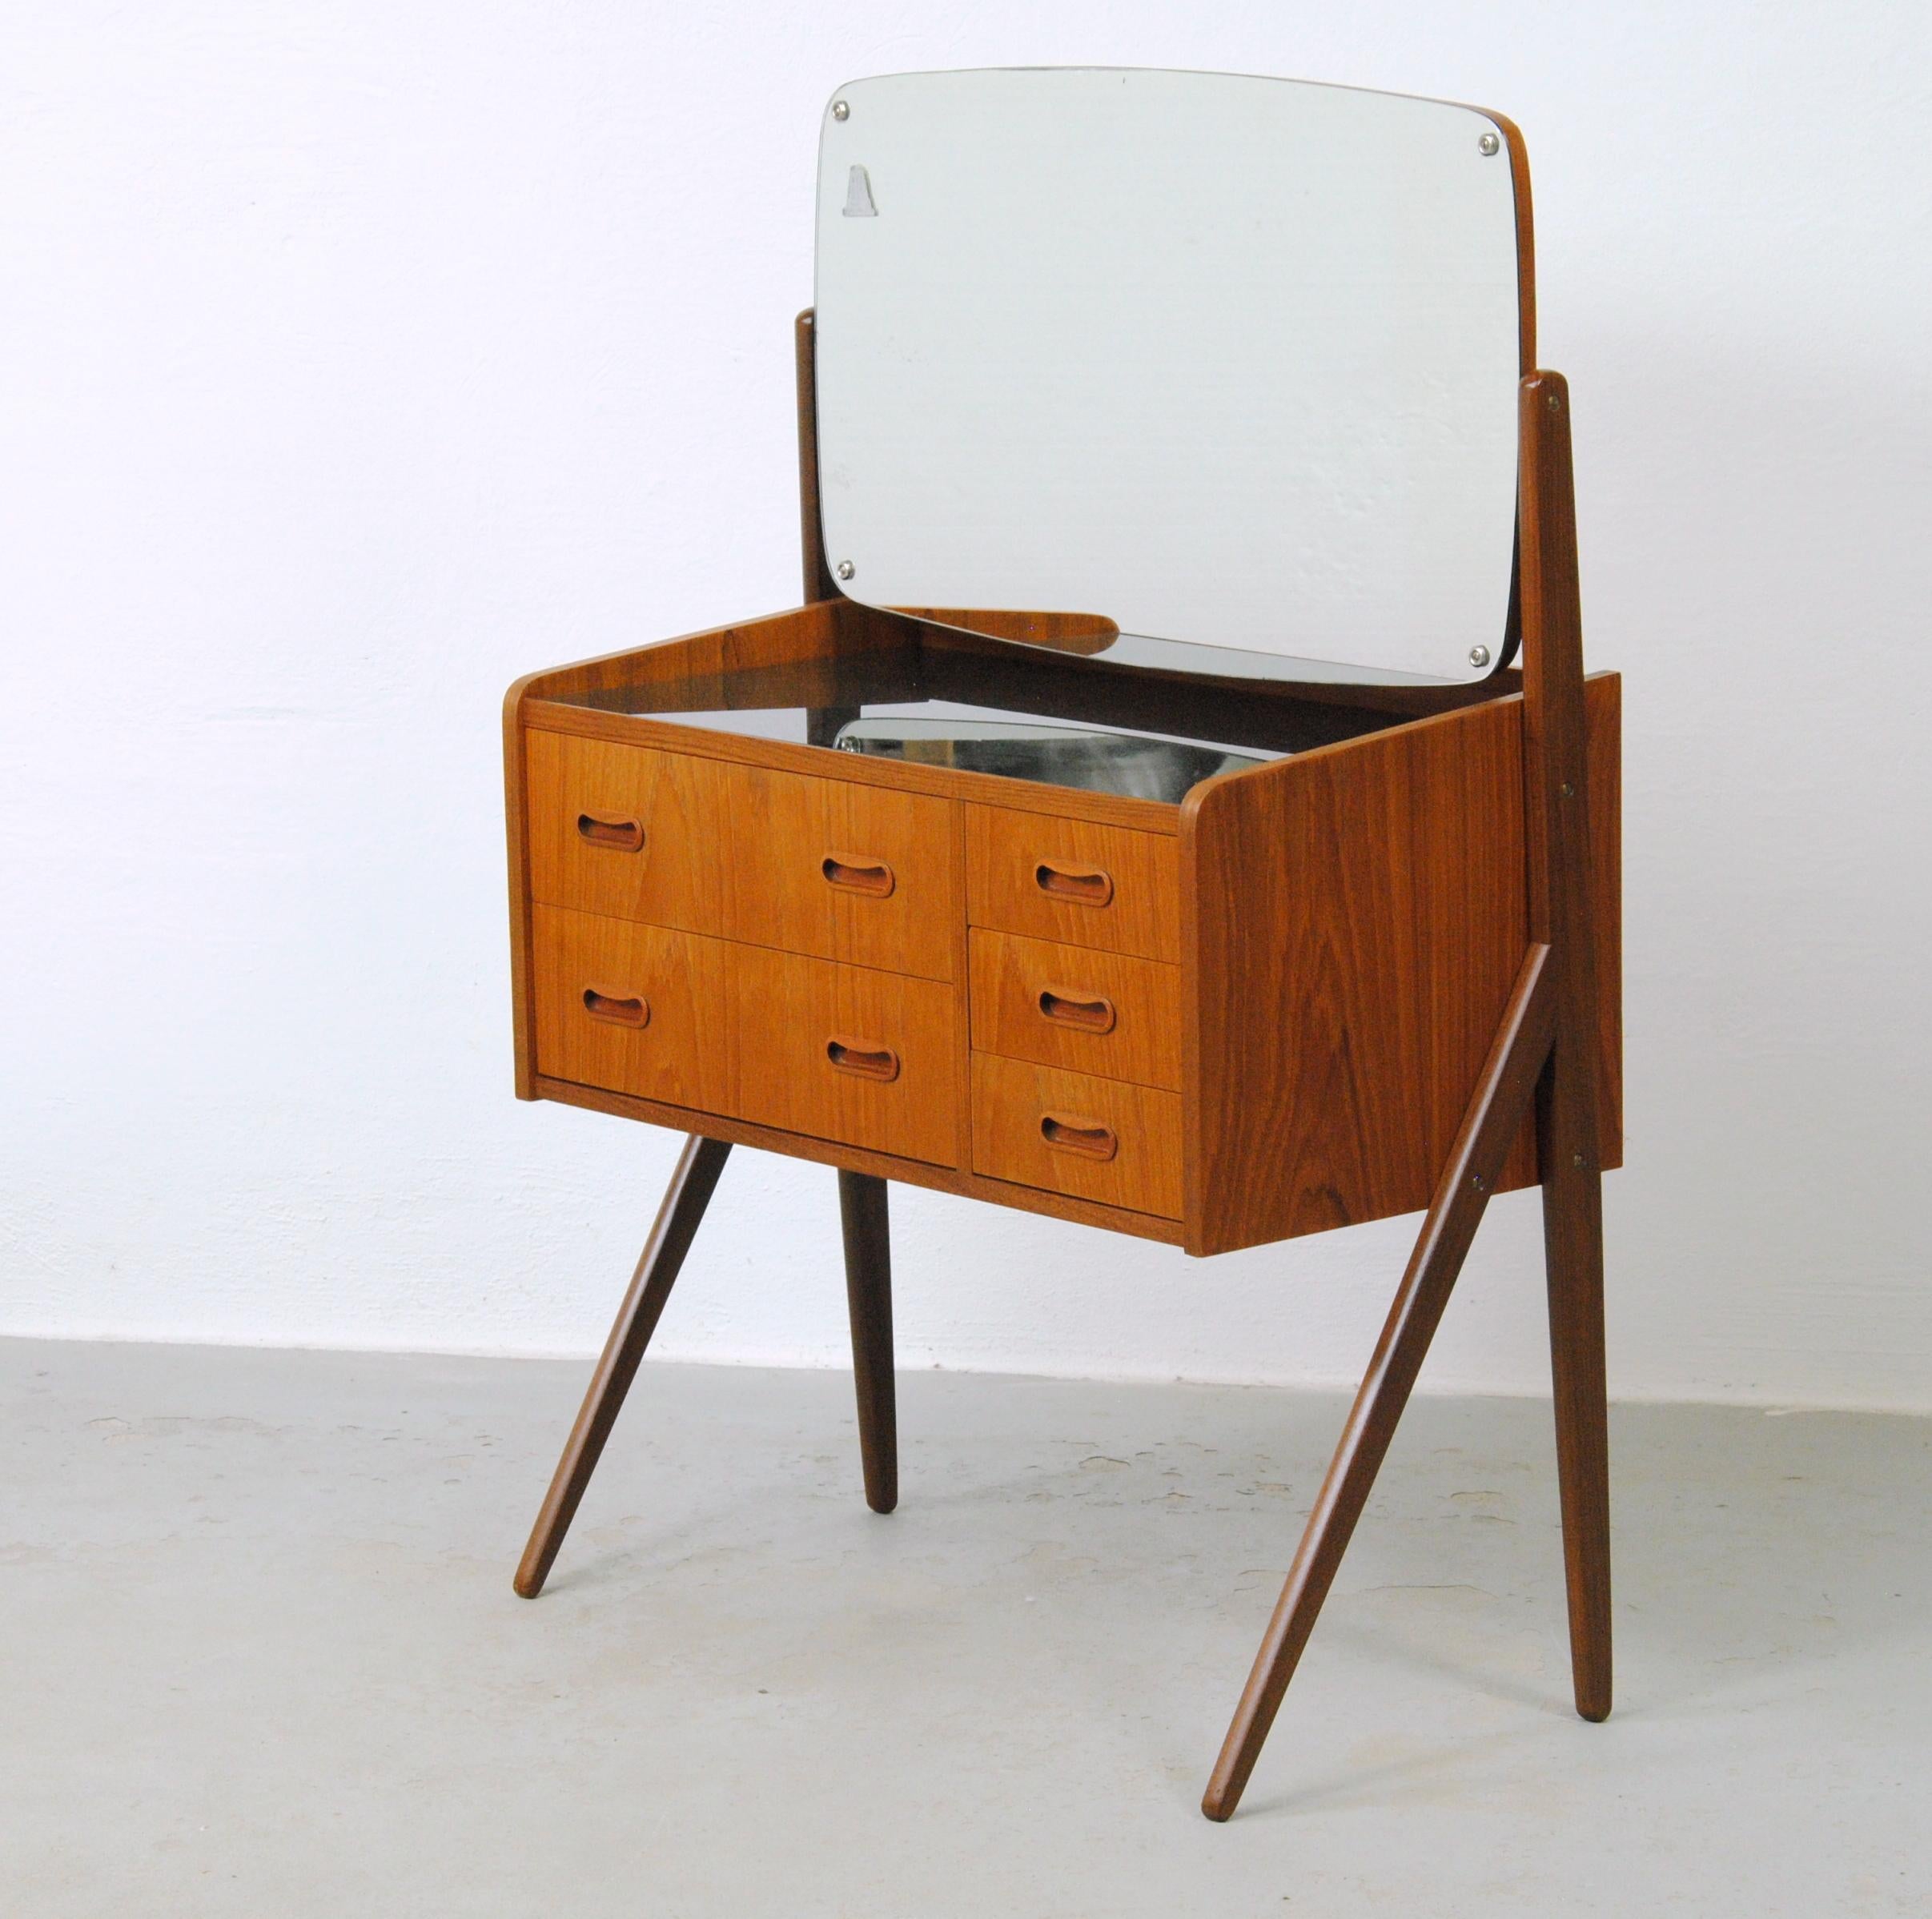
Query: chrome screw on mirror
{"type": "Point", "coordinates": [841, 110]}
{"type": "Point", "coordinates": [846, 570]}
{"type": "Point", "coordinates": [1488, 145]}
{"type": "Point", "coordinates": [1479, 655]}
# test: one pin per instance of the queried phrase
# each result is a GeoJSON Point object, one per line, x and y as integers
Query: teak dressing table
{"type": "Point", "coordinates": [1372, 970]}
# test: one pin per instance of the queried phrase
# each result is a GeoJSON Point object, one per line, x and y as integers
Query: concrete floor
{"type": "Point", "coordinates": [259, 1656]}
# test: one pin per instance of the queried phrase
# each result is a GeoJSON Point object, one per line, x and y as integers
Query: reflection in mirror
{"type": "Point", "coordinates": [1228, 361]}
{"type": "Point", "coordinates": [1136, 765]}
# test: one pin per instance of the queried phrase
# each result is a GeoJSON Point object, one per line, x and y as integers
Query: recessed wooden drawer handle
{"type": "Point", "coordinates": [851, 872]}
{"type": "Point", "coordinates": [1083, 885]}
{"type": "Point", "coordinates": [616, 830]}
{"type": "Point", "coordinates": [1072, 1135]}
{"type": "Point", "coordinates": [857, 1056]}
{"type": "Point", "coordinates": [619, 1009]}
{"type": "Point", "coordinates": [1091, 1012]}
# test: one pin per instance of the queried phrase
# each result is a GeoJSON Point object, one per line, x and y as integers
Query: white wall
{"type": "Point", "coordinates": [359, 357]}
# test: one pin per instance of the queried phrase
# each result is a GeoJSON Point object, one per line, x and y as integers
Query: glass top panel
{"type": "Point", "coordinates": [1225, 360]}
{"type": "Point", "coordinates": [972, 704]}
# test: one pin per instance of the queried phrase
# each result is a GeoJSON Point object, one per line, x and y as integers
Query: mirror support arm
{"type": "Point", "coordinates": [819, 583]}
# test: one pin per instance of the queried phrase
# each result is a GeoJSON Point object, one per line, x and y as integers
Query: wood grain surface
{"type": "Point", "coordinates": [1016, 860]}
{"type": "Point", "coordinates": [1080, 1007]}
{"type": "Point", "coordinates": [846, 872]}
{"type": "Point", "coordinates": [1016, 1105]}
{"type": "Point", "coordinates": [1357, 916]}
{"type": "Point", "coordinates": [745, 1032]}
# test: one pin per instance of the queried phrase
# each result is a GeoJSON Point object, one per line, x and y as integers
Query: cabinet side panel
{"type": "Point", "coordinates": [1355, 918]}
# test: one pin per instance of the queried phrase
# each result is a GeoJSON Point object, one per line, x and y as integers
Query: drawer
{"type": "Point", "coordinates": [1077, 1006]}
{"type": "Point", "coordinates": [846, 1053]}
{"type": "Point", "coordinates": [1066, 880]}
{"type": "Point", "coordinates": [1100, 1139]}
{"type": "Point", "coordinates": [843, 1053]}
{"type": "Point", "coordinates": [827, 867]}
{"type": "Point", "coordinates": [632, 1009]}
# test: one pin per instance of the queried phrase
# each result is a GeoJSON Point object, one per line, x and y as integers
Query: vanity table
{"type": "Point", "coordinates": [1140, 823]}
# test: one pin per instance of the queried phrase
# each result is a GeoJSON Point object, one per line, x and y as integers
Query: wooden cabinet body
{"type": "Point", "coordinates": [1254, 1015]}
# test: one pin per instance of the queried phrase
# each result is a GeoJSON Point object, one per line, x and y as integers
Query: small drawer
{"type": "Point", "coordinates": [1102, 1139]}
{"type": "Point", "coordinates": [1067, 879]}
{"type": "Point", "coordinates": [847, 1053]}
{"type": "Point", "coordinates": [632, 1009]}
{"type": "Point", "coordinates": [830, 868]}
{"type": "Point", "coordinates": [841, 1053]}
{"type": "Point", "coordinates": [1078, 1007]}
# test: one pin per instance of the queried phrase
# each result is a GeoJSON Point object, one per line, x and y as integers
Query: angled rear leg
{"type": "Point", "coordinates": [1572, 1244]}
{"type": "Point", "coordinates": [1557, 795]}
{"type": "Point", "coordinates": [861, 1209]}
{"type": "Point", "coordinates": [685, 1200]}
{"type": "Point", "coordinates": [1495, 1114]}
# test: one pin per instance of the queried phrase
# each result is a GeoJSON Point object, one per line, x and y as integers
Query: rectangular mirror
{"type": "Point", "coordinates": [1108, 357]}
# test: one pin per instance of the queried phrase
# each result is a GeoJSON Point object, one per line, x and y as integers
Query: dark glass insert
{"type": "Point", "coordinates": [975, 683]}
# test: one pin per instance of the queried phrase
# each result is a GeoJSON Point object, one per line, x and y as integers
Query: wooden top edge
{"type": "Point", "coordinates": [599, 669]}
{"type": "Point", "coordinates": [1209, 790]}
{"type": "Point", "coordinates": [1205, 791]}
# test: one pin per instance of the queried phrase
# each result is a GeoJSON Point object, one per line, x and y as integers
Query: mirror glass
{"type": "Point", "coordinates": [1107, 359]}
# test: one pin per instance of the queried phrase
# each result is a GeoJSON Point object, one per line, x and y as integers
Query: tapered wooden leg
{"type": "Point", "coordinates": [1496, 1112]}
{"type": "Point", "coordinates": [1573, 1245]}
{"type": "Point", "coordinates": [861, 1209]}
{"type": "Point", "coordinates": [685, 1200]}
{"type": "Point", "coordinates": [1556, 776]}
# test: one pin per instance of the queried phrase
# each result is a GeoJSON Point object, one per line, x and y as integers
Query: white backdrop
{"type": "Point", "coordinates": [358, 357]}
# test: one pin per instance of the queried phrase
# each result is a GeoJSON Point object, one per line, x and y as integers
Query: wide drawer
{"type": "Point", "coordinates": [827, 867]}
{"type": "Point", "coordinates": [1070, 881]}
{"type": "Point", "coordinates": [844, 1052]}
{"type": "Point", "coordinates": [1102, 1139]}
{"type": "Point", "coordinates": [1076, 1006]}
